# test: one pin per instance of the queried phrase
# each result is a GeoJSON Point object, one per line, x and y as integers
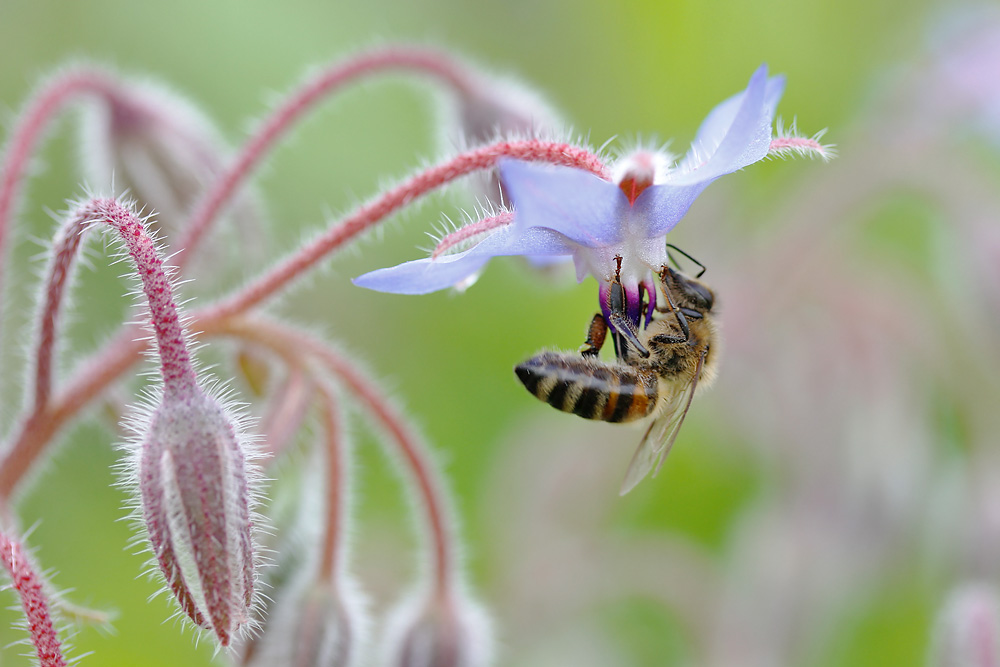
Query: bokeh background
{"type": "Point", "coordinates": [824, 501]}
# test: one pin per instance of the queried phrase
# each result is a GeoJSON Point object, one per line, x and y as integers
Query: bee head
{"type": "Point", "coordinates": [699, 296]}
{"type": "Point", "coordinates": [690, 294]}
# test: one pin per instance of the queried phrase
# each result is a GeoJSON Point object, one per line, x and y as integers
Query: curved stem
{"type": "Point", "coordinates": [337, 480]}
{"type": "Point", "coordinates": [64, 249]}
{"type": "Point", "coordinates": [418, 463]}
{"type": "Point", "coordinates": [38, 430]}
{"type": "Point", "coordinates": [286, 412]}
{"type": "Point", "coordinates": [117, 356]}
{"type": "Point", "coordinates": [391, 201]}
{"type": "Point", "coordinates": [297, 105]}
{"type": "Point", "coordinates": [47, 417]}
{"type": "Point", "coordinates": [175, 360]}
{"type": "Point", "coordinates": [27, 133]}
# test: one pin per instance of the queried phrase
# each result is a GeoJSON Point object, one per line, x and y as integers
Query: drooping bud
{"type": "Point", "coordinates": [451, 631]}
{"type": "Point", "coordinates": [504, 107]}
{"type": "Point", "coordinates": [155, 143]}
{"type": "Point", "coordinates": [968, 629]}
{"type": "Point", "coordinates": [161, 148]}
{"type": "Point", "coordinates": [189, 461]}
{"type": "Point", "coordinates": [196, 507]}
{"type": "Point", "coordinates": [312, 625]}
{"type": "Point", "coordinates": [491, 108]}
{"type": "Point", "coordinates": [315, 614]}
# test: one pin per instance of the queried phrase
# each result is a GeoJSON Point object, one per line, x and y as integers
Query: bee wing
{"type": "Point", "coordinates": [661, 434]}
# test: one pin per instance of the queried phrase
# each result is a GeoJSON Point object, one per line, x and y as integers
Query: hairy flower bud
{"type": "Point", "coordinates": [312, 625]}
{"type": "Point", "coordinates": [494, 108]}
{"type": "Point", "coordinates": [450, 631]}
{"type": "Point", "coordinates": [196, 507]}
{"type": "Point", "coordinates": [499, 107]}
{"type": "Point", "coordinates": [188, 461]}
{"type": "Point", "coordinates": [155, 143]}
{"type": "Point", "coordinates": [164, 151]}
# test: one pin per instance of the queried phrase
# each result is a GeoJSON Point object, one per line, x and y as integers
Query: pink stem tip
{"type": "Point", "coordinates": [801, 145]}
{"type": "Point", "coordinates": [33, 601]}
{"type": "Point", "coordinates": [471, 230]}
{"type": "Point", "coordinates": [175, 361]}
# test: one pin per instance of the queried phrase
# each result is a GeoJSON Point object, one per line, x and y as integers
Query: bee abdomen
{"type": "Point", "coordinates": [589, 388]}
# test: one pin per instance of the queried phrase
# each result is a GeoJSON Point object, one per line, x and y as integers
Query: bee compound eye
{"type": "Point", "coordinates": [706, 296]}
{"type": "Point", "coordinates": [700, 296]}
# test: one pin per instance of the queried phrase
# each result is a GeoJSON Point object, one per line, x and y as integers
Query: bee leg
{"type": "Point", "coordinates": [681, 321]}
{"type": "Point", "coordinates": [596, 334]}
{"type": "Point", "coordinates": [627, 330]}
{"type": "Point", "coordinates": [664, 339]}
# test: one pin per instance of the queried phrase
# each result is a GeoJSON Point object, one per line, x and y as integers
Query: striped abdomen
{"type": "Point", "coordinates": [590, 388]}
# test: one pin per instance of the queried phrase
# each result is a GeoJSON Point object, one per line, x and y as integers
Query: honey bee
{"type": "Point", "coordinates": [657, 370]}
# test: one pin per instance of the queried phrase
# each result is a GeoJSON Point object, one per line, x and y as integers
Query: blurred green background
{"type": "Point", "coordinates": [634, 69]}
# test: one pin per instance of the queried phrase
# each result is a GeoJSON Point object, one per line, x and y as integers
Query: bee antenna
{"type": "Point", "coordinates": [671, 246]}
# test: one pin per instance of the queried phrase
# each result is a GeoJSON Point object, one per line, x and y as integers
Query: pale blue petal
{"type": "Point", "coordinates": [660, 207]}
{"type": "Point", "coordinates": [584, 208]}
{"type": "Point", "coordinates": [736, 133]}
{"type": "Point", "coordinates": [547, 261]}
{"type": "Point", "coordinates": [775, 89]}
{"type": "Point", "coordinates": [561, 211]}
{"type": "Point", "coordinates": [423, 276]}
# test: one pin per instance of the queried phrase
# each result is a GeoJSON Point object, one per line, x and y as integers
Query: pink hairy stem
{"type": "Point", "coordinates": [65, 247]}
{"type": "Point", "coordinates": [34, 603]}
{"type": "Point", "coordinates": [471, 230]}
{"type": "Point", "coordinates": [286, 412]}
{"type": "Point", "coordinates": [27, 133]}
{"type": "Point", "coordinates": [336, 486]}
{"type": "Point", "coordinates": [302, 101]}
{"type": "Point", "coordinates": [175, 360]}
{"type": "Point", "coordinates": [37, 429]}
{"type": "Point", "coordinates": [123, 351]}
{"type": "Point", "coordinates": [397, 197]}
{"type": "Point", "coordinates": [418, 465]}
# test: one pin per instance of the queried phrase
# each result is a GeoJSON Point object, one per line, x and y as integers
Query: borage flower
{"type": "Point", "coordinates": [564, 211]}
